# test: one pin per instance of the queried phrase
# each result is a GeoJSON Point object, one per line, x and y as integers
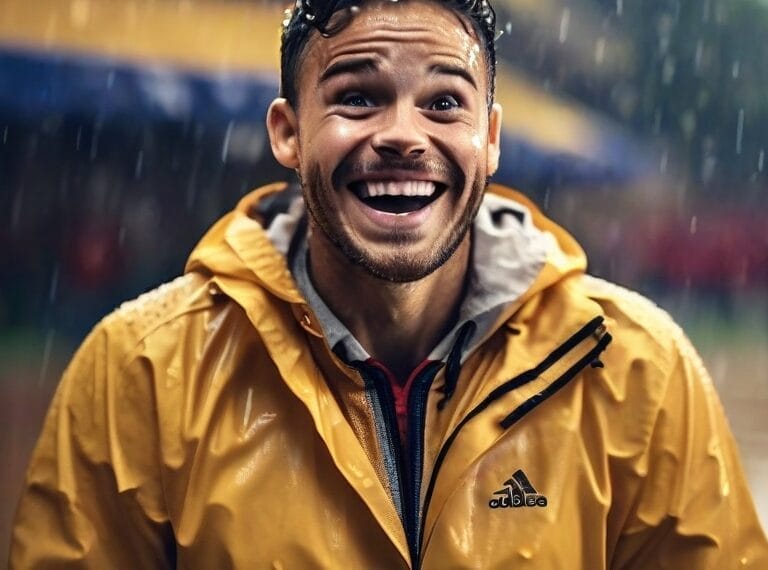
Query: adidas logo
{"type": "Point", "coordinates": [518, 492]}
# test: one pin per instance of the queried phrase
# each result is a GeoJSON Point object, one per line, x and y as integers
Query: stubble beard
{"type": "Point", "coordinates": [400, 265]}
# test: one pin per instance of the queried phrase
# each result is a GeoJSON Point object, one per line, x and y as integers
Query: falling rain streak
{"type": "Point", "coordinates": [565, 21]}
{"type": "Point", "coordinates": [46, 356]}
{"type": "Point", "coordinates": [54, 287]}
{"type": "Point", "coordinates": [225, 145]}
{"type": "Point", "coordinates": [739, 131]}
{"type": "Point", "coordinates": [139, 165]}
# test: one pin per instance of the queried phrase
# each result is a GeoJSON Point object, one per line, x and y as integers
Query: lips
{"type": "Point", "coordinates": [397, 196]}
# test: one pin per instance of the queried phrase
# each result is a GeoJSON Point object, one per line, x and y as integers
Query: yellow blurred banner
{"type": "Point", "coordinates": [242, 36]}
{"type": "Point", "coordinates": [202, 34]}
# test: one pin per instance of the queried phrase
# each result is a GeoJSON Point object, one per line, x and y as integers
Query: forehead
{"type": "Point", "coordinates": [413, 25]}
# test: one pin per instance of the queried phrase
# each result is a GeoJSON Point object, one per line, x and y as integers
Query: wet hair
{"type": "Point", "coordinates": [329, 17]}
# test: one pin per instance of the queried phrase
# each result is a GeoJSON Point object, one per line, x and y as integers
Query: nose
{"type": "Point", "coordinates": [400, 134]}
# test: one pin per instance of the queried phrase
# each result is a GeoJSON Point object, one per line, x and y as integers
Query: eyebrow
{"type": "Point", "coordinates": [351, 65]}
{"type": "Point", "coordinates": [448, 69]}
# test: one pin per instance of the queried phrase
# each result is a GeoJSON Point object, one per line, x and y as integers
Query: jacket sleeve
{"type": "Point", "coordinates": [693, 509]}
{"type": "Point", "coordinates": [92, 496]}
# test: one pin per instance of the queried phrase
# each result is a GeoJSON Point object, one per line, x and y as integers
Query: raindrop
{"type": "Point", "coordinates": [697, 59]}
{"type": "Point", "coordinates": [760, 160]}
{"type": "Point", "coordinates": [706, 11]}
{"type": "Point", "coordinates": [16, 209]}
{"type": "Point", "coordinates": [668, 71]}
{"type": "Point", "coordinates": [565, 20]}
{"type": "Point", "coordinates": [694, 225]}
{"type": "Point", "coordinates": [111, 79]}
{"type": "Point", "coordinates": [94, 144]}
{"type": "Point", "coordinates": [121, 236]}
{"type": "Point", "coordinates": [54, 285]}
{"type": "Point", "coordinates": [547, 194]}
{"type": "Point", "coordinates": [79, 137]}
{"type": "Point", "coordinates": [46, 356]}
{"type": "Point", "coordinates": [508, 28]}
{"type": "Point", "coordinates": [600, 51]}
{"type": "Point", "coordinates": [619, 7]}
{"type": "Point", "coordinates": [663, 162]}
{"type": "Point", "coordinates": [139, 165]}
{"type": "Point", "coordinates": [79, 13]}
{"type": "Point", "coordinates": [5, 134]}
{"type": "Point", "coordinates": [735, 69]}
{"type": "Point", "coordinates": [657, 121]}
{"type": "Point", "coordinates": [739, 131]}
{"type": "Point", "coordinates": [227, 138]}
{"type": "Point", "coordinates": [192, 185]}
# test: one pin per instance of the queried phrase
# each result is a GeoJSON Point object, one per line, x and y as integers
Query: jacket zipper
{"type": "Point", "coordinates": [417, 404]}
{"type": "Point", "coordinates": [594, 327]}
{"type": "Point", "coordinates": [409, 469]}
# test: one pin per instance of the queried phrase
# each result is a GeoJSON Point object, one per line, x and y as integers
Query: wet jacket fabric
{"type": "Point", "coordinates": [208, 424]}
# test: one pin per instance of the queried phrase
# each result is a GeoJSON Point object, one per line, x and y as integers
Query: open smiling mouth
{"type": "Point", "coordinates": [397, 197]}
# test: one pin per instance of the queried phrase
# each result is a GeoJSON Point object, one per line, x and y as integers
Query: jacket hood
{"type": "Point", "coordinates": [239, 250]}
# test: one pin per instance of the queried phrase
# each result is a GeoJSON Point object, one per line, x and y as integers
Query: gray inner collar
{"type": "Point", "coordinates": [508, 252]}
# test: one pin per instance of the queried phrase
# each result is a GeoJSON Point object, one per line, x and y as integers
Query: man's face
{"type": "Point", "coordinates": [393, 140]}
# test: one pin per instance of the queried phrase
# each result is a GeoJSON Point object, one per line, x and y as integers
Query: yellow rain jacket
{"type": "Point", "coordinates": [207, 425]}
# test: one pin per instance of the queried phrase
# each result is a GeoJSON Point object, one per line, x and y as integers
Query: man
{"type": "Point", "coordinates": [403, 369]}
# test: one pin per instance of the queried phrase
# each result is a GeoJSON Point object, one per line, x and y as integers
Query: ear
{"type": "Point", "coordinates": [494, 138]}
{"type": "Point", "coordinates": [282, 127]}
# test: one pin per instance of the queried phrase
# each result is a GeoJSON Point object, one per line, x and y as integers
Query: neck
{"type": "Point", "coordinates": [396, 323]}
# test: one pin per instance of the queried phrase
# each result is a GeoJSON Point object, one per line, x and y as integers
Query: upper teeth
{"type": "Point", "coordinates": [405, 188]}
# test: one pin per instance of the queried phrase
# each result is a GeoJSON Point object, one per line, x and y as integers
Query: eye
{"type": "Point", "coordinates": [355, 100]}
{"type": "Point", "coordinates": [444, 103]}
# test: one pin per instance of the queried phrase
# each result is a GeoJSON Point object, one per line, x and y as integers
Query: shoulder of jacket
{"type": "Point", "coordinates": [136, 319]}
{"type": "Point", "coordinates": [639, 323]}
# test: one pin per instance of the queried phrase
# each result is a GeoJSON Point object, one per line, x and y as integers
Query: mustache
{"type": "Point", "coordinates": [423, 167]}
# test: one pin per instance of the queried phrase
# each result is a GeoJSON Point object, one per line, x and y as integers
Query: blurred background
{"type": "Point", "coordinates": [127, 127]}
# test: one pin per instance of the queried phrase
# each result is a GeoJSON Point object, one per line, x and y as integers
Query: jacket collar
{"type": "Point", "coordinates": [517, 253]}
